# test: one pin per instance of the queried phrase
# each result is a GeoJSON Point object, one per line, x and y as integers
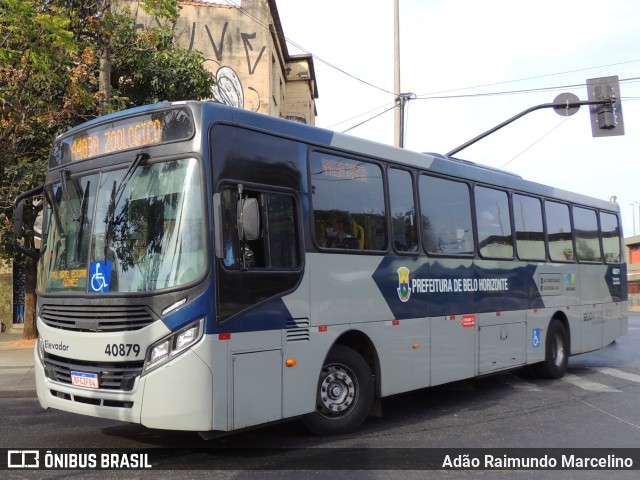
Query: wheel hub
{"type": "Point", "coordinates": [338, 391]}
{"type": "Point", "coordinates": [558, 351]}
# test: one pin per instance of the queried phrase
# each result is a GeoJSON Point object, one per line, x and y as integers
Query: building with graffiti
{"type": "Point", "coordinates": [244, 47]}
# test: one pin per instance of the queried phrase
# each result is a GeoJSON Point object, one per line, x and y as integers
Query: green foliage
{"type": "Point", "coordinates": [36, 52]}
{"type": "Point", "coordinates": [49, 67]}
{"type": "Point", "coordinates": [162, 9]}
{"type": "Point", "coordinates": [150, 69]}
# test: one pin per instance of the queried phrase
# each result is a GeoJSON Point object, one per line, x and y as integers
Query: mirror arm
{"type": "Point", "coordinates": [18, 222]}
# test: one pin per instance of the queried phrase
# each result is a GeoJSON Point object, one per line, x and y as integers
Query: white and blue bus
{"type": "Point", "coordinates": [210, 269]}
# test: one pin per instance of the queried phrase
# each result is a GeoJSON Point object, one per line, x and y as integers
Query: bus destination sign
{"type": "Point", "coordinates": [123, 134]}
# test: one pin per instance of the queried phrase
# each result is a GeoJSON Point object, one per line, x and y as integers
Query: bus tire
{"type": "Point", "coordinates": [345, 393]}
{"type": "Point", "coordinates": [556, 352]}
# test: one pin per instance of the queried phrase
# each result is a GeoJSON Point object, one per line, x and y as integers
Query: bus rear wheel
{"type": "Point", "coordinates": [345, 393]}
{"type": "Point", "coordinates": [556, 352]}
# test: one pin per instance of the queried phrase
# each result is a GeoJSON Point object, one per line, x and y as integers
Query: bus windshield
{"type": "Point", "coordinates": [132, 230]}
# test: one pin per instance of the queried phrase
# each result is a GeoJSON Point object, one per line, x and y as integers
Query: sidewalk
{"type": "Point", "coordinates": [17, 379]}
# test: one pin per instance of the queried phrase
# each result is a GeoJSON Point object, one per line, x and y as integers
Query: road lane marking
{"type": "Point", "coordinates": [517, 383]}
{"type": "Point", "coordinates": [588, 385]}
{"type": "Point", "coordinates": [614, 372]}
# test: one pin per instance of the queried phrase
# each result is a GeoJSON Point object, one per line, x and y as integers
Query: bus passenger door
{"type": "Point", "coordinates": [453, 348]}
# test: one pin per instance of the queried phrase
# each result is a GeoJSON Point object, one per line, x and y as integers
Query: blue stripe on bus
{"type": "Point", "coordinates": [191, 311]}
{"type": "Point", "coordinates": [271, 315]}
{"type": "Point", "coordinates": [615, 276]}
{"type": "Point", "coordinates": [432, 289]}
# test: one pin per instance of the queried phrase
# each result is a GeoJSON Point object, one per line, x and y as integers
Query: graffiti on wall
{"type": "Point", "coordinates": [229, 89]}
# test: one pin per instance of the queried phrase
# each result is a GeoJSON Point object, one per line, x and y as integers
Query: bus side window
{"type": "Point", "coordinates": [559, 231]}
{"type": "Point", "coordinates": [610, 237]}
{"type": "Point", "coordinates": [230, 240]}
{"type": "Point", "coordinates": [494, 224]}
{"type": "Point", "coordinates": [585, 224]}
{"type": "Point", "coordinates": [445, 208]}
{"type": "Point", "coordinates": [348, 203]}
{"type": "Point", "coordinates": [404, 229]}
{"type": "Point", "coordinates": [527, 212]}
{"type": "Point", "coordinates": [276, 247]}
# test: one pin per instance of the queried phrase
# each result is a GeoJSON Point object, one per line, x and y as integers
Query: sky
{"type": "Point", "coordinates": [464, 48]}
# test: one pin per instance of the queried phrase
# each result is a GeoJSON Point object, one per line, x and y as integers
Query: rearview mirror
{"type": "Point", "coordinates": [18, 224]}
{"type": "Point", "coordinates": [19, 221]}
{"type": "Point", "coordinates": [248, 219]}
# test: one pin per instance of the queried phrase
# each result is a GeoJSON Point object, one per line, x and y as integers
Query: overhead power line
{"type": "Point", "coordinates": [518, 92]}
{"type": "Point", "coordinates": [486, 94]}
{"type": "Point", "coordinates": [530, 78]}
{"type": "Point", "coordinates": [360, 115]}
{"type": "Point", "coordinates": [297, 45]}
{"type": "Point", "coordinates": [436, 95]}
{"type": "Point", "coordinates": [536, 142]}
{"type": "Point", "coordinates": [368, 120]}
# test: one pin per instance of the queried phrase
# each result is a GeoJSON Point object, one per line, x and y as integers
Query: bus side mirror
{"type": "Point", "coordinates": [248, 219]}
{"type": "Point", "coordinates": [18, 223]}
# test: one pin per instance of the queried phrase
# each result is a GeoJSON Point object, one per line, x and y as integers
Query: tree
{"type": "Point", "coordinates": [37, 53]}
{"type": "Point", "coordinates": [50, 67]}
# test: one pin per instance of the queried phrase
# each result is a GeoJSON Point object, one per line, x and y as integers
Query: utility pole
{"type": "Point", "coordinates": [104, 77]}
{"type": "Point", "coordinates": [399, 110]}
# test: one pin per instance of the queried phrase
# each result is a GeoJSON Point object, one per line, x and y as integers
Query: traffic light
{"type": "Point", "coordinates": [606, 119]}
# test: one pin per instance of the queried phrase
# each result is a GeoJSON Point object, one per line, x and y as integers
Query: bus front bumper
{"type": "Point", "coordinates": [166, 398]}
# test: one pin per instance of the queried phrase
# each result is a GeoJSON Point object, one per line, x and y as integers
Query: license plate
{"type": "Point", "coordinates": [83, 379]}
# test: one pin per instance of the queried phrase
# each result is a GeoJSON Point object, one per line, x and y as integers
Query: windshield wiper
{"type": "Point", "coordinates": [64, 177]}
{"type": "Point", "coordinates": [72, 194]}
{"type": "Point", "coordinates": [116, 193]}
{"type": "Point", "coordinates": [83, 214]}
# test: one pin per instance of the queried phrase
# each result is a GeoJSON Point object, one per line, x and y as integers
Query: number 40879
{"type": "Point", "coordinates": [122, 349]}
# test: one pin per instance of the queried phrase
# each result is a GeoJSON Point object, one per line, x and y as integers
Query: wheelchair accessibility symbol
{"type": "Point", "coordinates": [100, 277]}
{"type": "Point", "coordinates": [535, 343]}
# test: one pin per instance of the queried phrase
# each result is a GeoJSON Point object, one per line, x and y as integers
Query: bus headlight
{"type": "Point", "coordinates": [40, 349]}
{"type": "Point", "coordinates": [170, 347]}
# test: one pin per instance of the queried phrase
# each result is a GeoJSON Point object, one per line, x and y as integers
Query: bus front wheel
{"type": "Point", "coordinates": [345, 393]}
{"type": "Point", "coordinates": [556, 351]}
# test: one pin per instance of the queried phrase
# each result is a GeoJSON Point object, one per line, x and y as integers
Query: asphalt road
{"type": "Point", "coordinates": [596, 405]}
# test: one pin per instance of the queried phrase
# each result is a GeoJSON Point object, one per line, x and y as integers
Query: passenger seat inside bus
{"type": "Point", "coordinates": [358, 233]}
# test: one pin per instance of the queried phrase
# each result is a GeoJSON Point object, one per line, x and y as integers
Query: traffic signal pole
{"type": "Point", "coordinates": [569, 107]}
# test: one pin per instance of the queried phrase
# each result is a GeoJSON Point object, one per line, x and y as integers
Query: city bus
{"type": "Point", "coordinates": [210, 269]}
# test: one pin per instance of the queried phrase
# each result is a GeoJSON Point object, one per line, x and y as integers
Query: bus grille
{"type": "Point", "coordinates": [89, 318]}
{"type": "Point", "coordinates": [111, 376]}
